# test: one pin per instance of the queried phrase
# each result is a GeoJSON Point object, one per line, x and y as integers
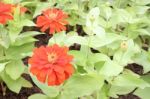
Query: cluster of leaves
{"type": "Point", "coordinates": [116, 34]}
{"type": "Point", "coordinates": [14, 46]}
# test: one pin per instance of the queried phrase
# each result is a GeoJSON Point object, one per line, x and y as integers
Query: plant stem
{"type": "Point", "coordinates": [3, 89]}
{"type": "Point", "coordinates": [88, 49]}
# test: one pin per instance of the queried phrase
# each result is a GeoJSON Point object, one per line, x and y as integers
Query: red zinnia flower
{"type": "Point", "coordinates": [51, 64]}
{"type": "Point", "coordinates": [53, 19]}
{"type": "Point", "coordinates": [5, 13]}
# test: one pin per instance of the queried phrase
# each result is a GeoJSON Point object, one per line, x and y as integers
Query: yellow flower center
{"type": "Point", "coordinates": [52, 15]}
{"type": "Point", "coordinates": [52, 57]}
{"type": "Point", "coordinates": [124, 45]}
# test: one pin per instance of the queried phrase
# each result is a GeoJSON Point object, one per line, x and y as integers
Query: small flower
{"type": "Point", "coordinates": [124, 45]}
{"type": "Point", "coordinates": [53, 19]}
{"type": "Point", "coordinates": [5, 13]}
{"type": "Point", "coordinates": [51, 64]}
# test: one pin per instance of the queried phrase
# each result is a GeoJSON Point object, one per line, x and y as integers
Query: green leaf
{"type": "Point", "coordinates": [143, 93]}
{"type": "Point", "coordinates": [38, 96]}
{"type": "Point", "coordinates": [67, 39]}
{"type": "Point", "coordinates": [103, 93]}
{"type": "Point", "coordinates": [41, 7]}
{"type": "Point", "coordinates": [129, 79]}
{"type": "Point", "coordinates": [19, 52]}
{"type": "Point", "coordinates": [142, 59]}
{"type": "Point", "coordinates": [119, 90]}
{"type": "Point", "coordinates": [109, 38]}
{"type": "Point", "coordinates": [14, 85]}
{"type": "Point", "coordinates": [111, 68]}
{"type": "Point", "coordinates": [97, 57]}
{"type": "Point", "coordinates": [15, 68]}
{"type": "Point", "coordinates": [81, 85]}
{"type": "Point", "coordinates": [77, 39]}
{"type": "Point", "coordinates": [4, 38]}
{"type": "Point", "coordinates": [26, 37]}
{"type": "Point", "coordinates": [79, 57]}
{"type": "Point", "coordinates": [2, 66]}
{"type": "Point", "coordinates": [27, 22]}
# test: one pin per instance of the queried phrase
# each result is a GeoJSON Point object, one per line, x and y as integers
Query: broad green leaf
{"type": "Point", "coordinates": [109, 38]}
{"type": "Point", "coordinates": [94, 13]}
{"type": "Point", "coordinates": [97, 57]}
{"type": "Point", "coordinates": [143, 93]}
{"type": "Point", "coordinates": [4, 38]}
{"type": "Point", "coordinates": [14, 85]}
{"type": "Point", "coordinates": [41, 7]}
{"type": "Point", "coordinates": [146, 78]}
{"type": "Point", "coordinates": [67, 39]}
{"type": "Point", "coordinates": [79, 57]}
{"type": "Point", "coordinates": [77, 39]}
{"type": "Point", "coordinates": [141, 2]}
{"type": "Point", "coordinates": [142, 59]}
{"type": "Point", "coordinates": [19, 52]}
{"type": "Point", "coordinates": [26, 37]}
{"type": "Point", "coordinates": [15, 68]}
{"type": "Point", "coordinates": [118, 90]}
{"type": "Point", "coordinates": [111, 68]}
{"type": "Point", "coordinates": [81, 85]}
{"type": "Point", "coordinates": [38, 96]}
{"type": "Point", "coordinates": [103, 93]}
{"type": "Point", "coordinates": [129, 79]}
{"type": "Point", "coordinates": [27, 22]}
{"type": "Point", "coordinates": [2, 66]}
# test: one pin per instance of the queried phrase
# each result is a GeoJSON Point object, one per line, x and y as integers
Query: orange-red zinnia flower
{"type": "Point", "coordinates": [51, 64]}
{"type": "Point", "coordinates": [5, 13]}
{"type": "Point", "coordinates": [53, 19]}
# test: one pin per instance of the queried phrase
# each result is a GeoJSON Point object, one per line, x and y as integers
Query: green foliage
{"type": "Point", "coordinates": [112, 34]}
{"type": "Point", "coordinates": [14, 46]}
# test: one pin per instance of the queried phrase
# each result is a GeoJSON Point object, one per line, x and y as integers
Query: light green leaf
{"type": "Point", "coordinates": [41, 7]}
{"type": "Point", "coordinates": [14, 85]}
{"type": "Point", "coordinates": [2, 66]}
{"type": "Point", "coordinates": [109, 38]}
{"type": "Point", "coordinates": [129, 79]}
{"type": "Point", "coordinates": [38, 96]}
{"type": "Point", "coordinates": [15, 68]}
{"type": "Point", "coordinates": [19, 52]}
{"type": "Point", "coordinates": [26, 37]}
{"type": "Point", "coordinates": [143, 93]}
{"type": "Point", "coordinates": [81, 85]}
{"type": "Point", "coordinates": [111, 68]}
{"type": "Point", "coordinates": [118, 90]}
{"type": "Point", "coordinates": [142, 59]}
{"type": "Point", "coordinates": [79, 57]}
{"type": "Point", "coordinates": [27, 22]}
{"type": "Point", "coordinates": [4, 38]}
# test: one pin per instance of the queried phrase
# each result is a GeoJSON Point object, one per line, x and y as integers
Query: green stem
{"type": "Point", "coordinates": [119, 3]}
{"type": "Point", "coordinates": [88, 49]}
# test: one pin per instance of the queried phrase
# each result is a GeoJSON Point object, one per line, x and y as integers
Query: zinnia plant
{"type": "Point", "coordinates": [75, 49]}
